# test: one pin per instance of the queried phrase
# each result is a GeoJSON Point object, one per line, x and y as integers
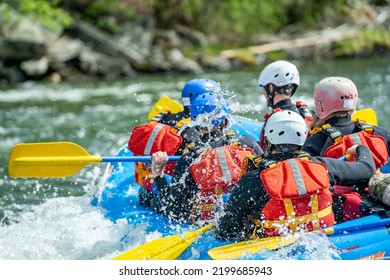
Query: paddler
{"type": "Point", "coordinates": [166, 132]}
{"type": "Point", "coordinates": [287, 190]}
{"type": "Point", "coordinates": [209, 169]}
{"type": "Point", "coordinates": [334, 131]}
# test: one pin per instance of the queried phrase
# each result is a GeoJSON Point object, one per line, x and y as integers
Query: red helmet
{"type": "Point", "coordinates": [334, 94]}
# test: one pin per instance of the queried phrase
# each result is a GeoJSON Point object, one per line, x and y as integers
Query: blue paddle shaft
{"type": "Point", "coordinates": [338, 229]}
{"type": "Point", "coordinates": [136, 159]}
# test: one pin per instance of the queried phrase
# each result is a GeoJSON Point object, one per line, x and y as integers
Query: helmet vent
{"type": "Point", "coordinates": [281, 133]}
{"type": "Point", "coordinates": [277, 75]}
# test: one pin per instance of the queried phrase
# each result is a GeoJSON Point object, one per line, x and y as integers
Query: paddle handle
{"type": "Point", "coordinates": [346, 228]}
{"type": "Point", "coordinates": [136, 159]}
{"type": "Point", "coordinates": [345, 158]}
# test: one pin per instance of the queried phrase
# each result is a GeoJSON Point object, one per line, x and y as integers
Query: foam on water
{"type": "Point", "coordinates": [66, 228]}
{"type": "Point", "coordinates": [313, 246]}
{"type": "Point", "coordinates": [38, 92]}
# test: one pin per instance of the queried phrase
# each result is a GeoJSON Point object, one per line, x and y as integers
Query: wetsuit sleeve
{"type": "Point", "coordinates": [247, 198]}
{"type": "Point", "coordinates": [171, 119]}
{"type": "Point", "coordinates": [178, 197]}
{"type": "Point", "coordinates": [346, 173]}
{"type": "Point", "coordinates": [190, 135]}
{"type": "Point", "coordinates": [385, 134]}
{"type": "Point", "coordinates": [247, 142]}
{"type": "Point", "coordinates": [313, 145]}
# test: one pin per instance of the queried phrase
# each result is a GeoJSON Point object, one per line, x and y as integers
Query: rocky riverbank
{"type": "Point", "coordinates": [30, 52]}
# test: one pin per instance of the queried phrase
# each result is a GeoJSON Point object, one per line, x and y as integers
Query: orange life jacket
{"type": "Point", "coordinates": [300, 197]}
{"type": "Point", "coordinates": [365, 136]}
{"type": "Point", "coordinates": [148, 139]}
{"type": "Point", "coordinates": [351, 200]}
{"type": "Point", "coordinates": [217, 170]}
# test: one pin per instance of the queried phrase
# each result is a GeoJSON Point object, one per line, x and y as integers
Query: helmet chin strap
{"type": "Point", "coordinates": [272, 90]}
{"type": "Point", "coordinates": [269, 89]}
{"type": "Point", "coordinates": [267, 145]}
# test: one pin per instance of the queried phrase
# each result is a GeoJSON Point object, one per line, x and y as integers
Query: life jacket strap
{"type": "Point", "coordinates": [312, 217]}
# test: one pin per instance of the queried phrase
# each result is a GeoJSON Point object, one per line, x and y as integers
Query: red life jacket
{"type": "Point", "coordinates": [377, 145]}
{"type": "Point", "coordinates": [300, 197]}
{"type": "Point", "coordinates": [148, 139]}
{"type": "Point", "coordinates": [351, 202]}
{"type": "Point", "coordinates": [217, 170]}
{"type": "Point", "coordinates": [365, 136]}
{"type": "Point", "coordinates": [304, 111]}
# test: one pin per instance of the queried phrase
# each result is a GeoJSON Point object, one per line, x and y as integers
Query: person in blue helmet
{"type": "Point", "coordinates": [191, 89]}
{"type": "Point", "coordinates": [207, 170]}
{"type": "Point", "coordinates": [166, 132]}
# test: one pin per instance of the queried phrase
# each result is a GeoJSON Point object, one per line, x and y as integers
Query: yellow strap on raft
{"type": "Point", "coordinates": [302, 219]}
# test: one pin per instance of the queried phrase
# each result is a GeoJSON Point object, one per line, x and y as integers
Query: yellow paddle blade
{"type": "Point", "coordinates": [237, 250]}
{"type": "Point", "coordinates": [368, 115]}
{"type": "Point", "coordinates": [50, 159]}
{"type": "Point", "coordinates": [165, 104]}
{"type": "Point", "coordinates": [165, 248]}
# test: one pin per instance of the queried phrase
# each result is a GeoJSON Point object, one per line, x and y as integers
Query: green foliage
{"type": "Point", "coordinates": [318, 14]}
{"type": "Point", "coordinates": [47, 12]}
{"type": "Point", "coordinates": [107, 14]}
{"type": "Point", "coordinates": [236, 21]}
{"type": "Point", "coordinates": [245, 19]}
{"type": "Point", "coordinates": [276, 55]}
{"type": "Point", "coordinates": [242, 21]}
{"type": "Point", "coordinates": [366, 42]}
{"type": "Point", "coordinates": [6, 13]}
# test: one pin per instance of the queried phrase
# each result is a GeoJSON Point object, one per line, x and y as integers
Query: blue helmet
{"type": "Point", "coordinates": [196, 87]}
{"type": "Point", "coordinates": [213, 107]}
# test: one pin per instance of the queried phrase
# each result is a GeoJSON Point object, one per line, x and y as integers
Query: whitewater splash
{"type": "Point", "coordinates": [70, 228]}
{"type": "Point", "coordinates": [66, 228]}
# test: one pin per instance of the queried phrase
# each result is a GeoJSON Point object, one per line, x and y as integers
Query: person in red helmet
{"type": "Point", "coordinates": [286, 190]}
{"type": "Point", "coordinates": [279, 80]}
{"type": "Point", "coordinates": [333, 131]}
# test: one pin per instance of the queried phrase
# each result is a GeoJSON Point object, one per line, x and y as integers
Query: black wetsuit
{"type": "Point", "coordinates": [177, 198]}
{"type": "Point", "coordinates": [191, 137]}
{"type": "Point", "coordinates": [287, 104]}
{"type": "Point", "coordinates": [249, 195]}
{"type": "Point", "coordinates": [316, 144]}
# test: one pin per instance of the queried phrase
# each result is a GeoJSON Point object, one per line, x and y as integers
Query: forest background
{"type": "Point", "coordinates": [57, 40]}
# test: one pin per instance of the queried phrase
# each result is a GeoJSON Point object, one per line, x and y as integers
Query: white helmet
{"type": "Point", "coordinates": [279, 73]}
{"type": "Point", "coordinates": [284, 77]}
{"type": "Point", "coordinates": [286, 127]}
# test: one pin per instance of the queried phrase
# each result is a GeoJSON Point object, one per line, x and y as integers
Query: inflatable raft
{"type": "Point", "coordinates": [364, 238]}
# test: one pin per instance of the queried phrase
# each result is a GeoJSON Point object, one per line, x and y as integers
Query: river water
{"type": "Point", "coordinates": [52, 218]}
